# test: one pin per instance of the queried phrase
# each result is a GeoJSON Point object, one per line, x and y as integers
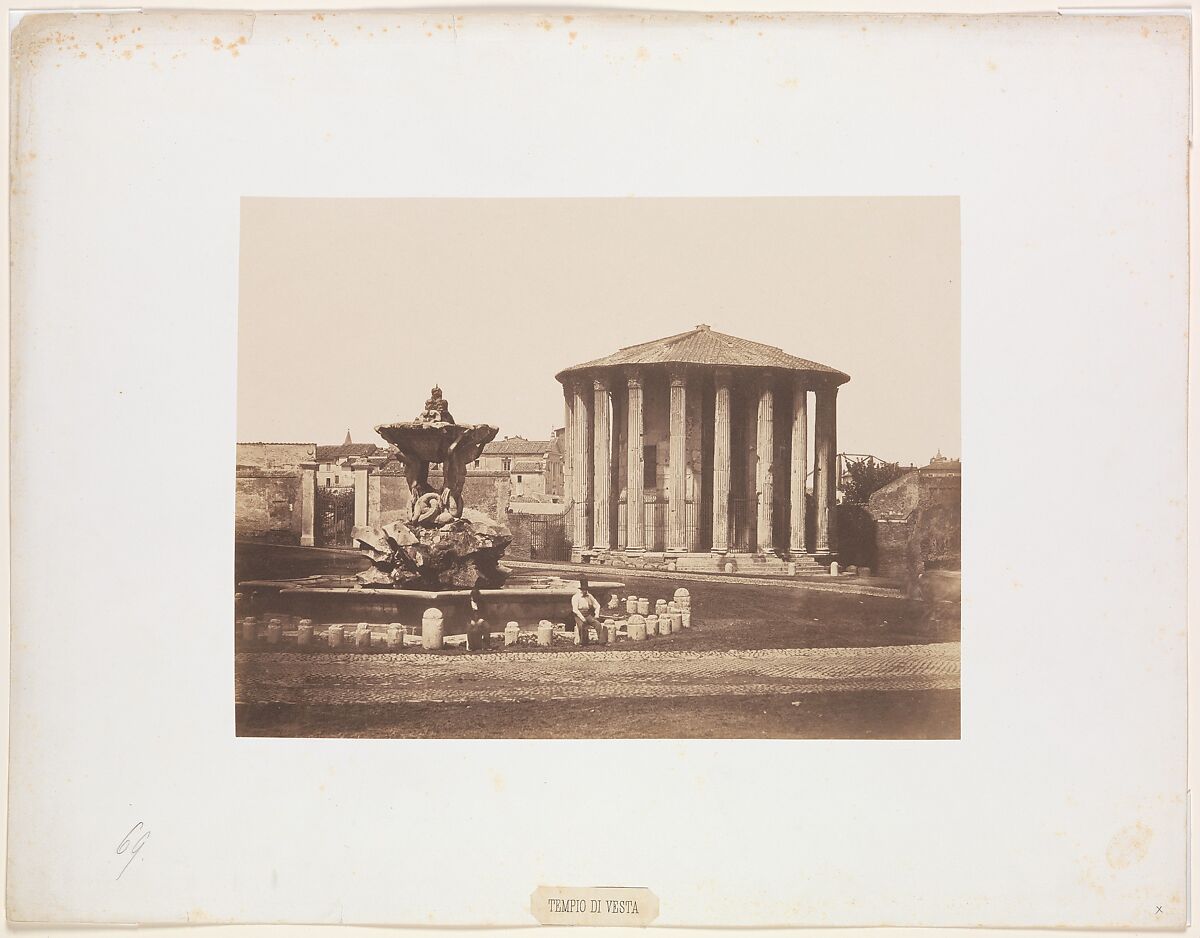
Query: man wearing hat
{"type": "Point", "coordinates": [587, 613]}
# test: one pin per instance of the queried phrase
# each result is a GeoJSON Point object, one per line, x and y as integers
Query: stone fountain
{"type": "Point", "coordinates": [435, 557]}
{"type": "Point", "coordinates": [442, 545]}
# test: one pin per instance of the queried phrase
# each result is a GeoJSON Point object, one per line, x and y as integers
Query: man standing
{"type": "Point", "coordinates": [587, 614]}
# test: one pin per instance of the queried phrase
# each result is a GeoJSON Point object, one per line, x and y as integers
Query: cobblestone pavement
{"type": "Point", "coordinates": [272, 677]}
{"type": "Point", "coordinates": [820, 584]}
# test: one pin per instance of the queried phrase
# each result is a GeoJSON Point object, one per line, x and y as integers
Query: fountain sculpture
{"type": "Point", "coordinates": [432, 559]}
{"type": "Point", "coordinates": [443, 544]}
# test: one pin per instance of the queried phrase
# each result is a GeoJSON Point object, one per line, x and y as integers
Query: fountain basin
{"type": "Point", "coordinates": [327, 599]}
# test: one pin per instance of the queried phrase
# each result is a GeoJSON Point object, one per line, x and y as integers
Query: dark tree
{"type": "Point", "coordinates": [866, 476]}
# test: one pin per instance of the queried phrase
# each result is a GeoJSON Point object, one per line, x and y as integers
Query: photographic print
{"type": "Point", "coordinates": [598, 468]}
{"type": "Point", "coordinates": [419, 414]}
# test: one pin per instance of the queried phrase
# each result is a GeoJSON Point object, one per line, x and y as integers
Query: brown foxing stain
{"type": "Point", "coordinates": [318, 17]}
{"type": "Point", "coordinates": [643, 55]}
{"type": "Point", "coordinates": [991, 66]}
{"type": "Point", "coordinates": [1129, 846]}
{"type": "Point", "coordinates": [568, 20]}
{"type": "Point", "coordinates": [571, 38]}
{"type": "Point", "coordinates": [1145, 32]}
{"type": "Point", "coordinates": [790, 83]}
{"type": "Point", "coordinates": [545, 24]}
{"type": "Point", "coordinates": [498, 782]}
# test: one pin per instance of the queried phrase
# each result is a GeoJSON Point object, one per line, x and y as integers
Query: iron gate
{"type": "Point", "coordinates": [335, 516]}
{"type": "Point", "coordinates": [548, 538]}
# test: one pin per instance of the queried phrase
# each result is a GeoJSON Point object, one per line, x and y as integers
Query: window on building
{"type": "Point", "coordinates": [649, 466]}
{"type": "Point", "coordinates": [507, 464]}
{"type": "Point", "coordinates": [328, 482]}
{"type": "Point", "coordinates": [518, 478]}
{"type": "Point", "coordinates": [478, 462]}
{"type": "Point", "coordinates": [337, 480]}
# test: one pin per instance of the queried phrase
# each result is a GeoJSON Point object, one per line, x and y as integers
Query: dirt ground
{"type": "Point", "coordinates": [727, 616]}
{"type": "Point", "coordinates": [931, 714]}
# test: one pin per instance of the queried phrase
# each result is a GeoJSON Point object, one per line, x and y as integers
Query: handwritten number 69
{"type": "Point", "coordinates": [131, 846]}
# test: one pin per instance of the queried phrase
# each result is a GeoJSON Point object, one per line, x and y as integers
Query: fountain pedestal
{"type": "Point", "coordinates": [459, 554]}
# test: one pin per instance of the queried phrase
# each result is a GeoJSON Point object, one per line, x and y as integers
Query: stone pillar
{"type": "Point", "coordinates": [568, 442]}
{"type": "Point", "coordinates": [308, 504]}
{"type": "Point", "coordinates": [602, 460]}
{"type": "Point", "coordinates": [361, 493]}
{"type": "Point", "coordinates": [824, 480]}
{"type": "Point", "coordinates": [765, 465]}
{"type": "Point", "coordinates": [635, 501]}
{"type": "Point", "coordinates": [677, 541]}
{"type": "Point", "coordinates": [721, 464]}
{"type": "Point", "coordinates": [580, 469]}
{"type": "Point", "coordinates": [798, 543]}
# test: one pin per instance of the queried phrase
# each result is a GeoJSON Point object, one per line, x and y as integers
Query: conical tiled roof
{"type": "Point", "coordinates": [703, 346]}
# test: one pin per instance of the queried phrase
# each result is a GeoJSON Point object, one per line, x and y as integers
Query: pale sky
{"type": "Point", "coordinates": [351, 309]}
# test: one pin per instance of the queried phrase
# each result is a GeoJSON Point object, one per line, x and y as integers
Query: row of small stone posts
{"type": "Point", "coordinates": [638, 623]}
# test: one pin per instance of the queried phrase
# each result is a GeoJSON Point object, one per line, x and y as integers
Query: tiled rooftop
{"type": "Point", "coordinates": [703, 346]}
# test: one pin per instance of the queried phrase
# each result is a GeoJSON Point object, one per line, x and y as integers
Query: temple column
{"type": "Point", "coordinates": [361, 495]}
{"type": "Point", "coordinates": [635, 502]}
{"type": "Point", "coordinates": [798, 543]}
{"type": "Point", "coordinates": [580, 469]}
{"type": "Point", "coordinates": [677, 541]}
{"type": "Point", "coordinates": [602, 461]}
{"type": "Point", "coordinates": [568, 443]}
{"type": "Point", "coordinates": [765, 465]}
{"type": "Point", "coordinates": [308, 504]}
{"type": "Point", "coordinates": [824, 479]}
{"type": "Point", "coordinates": [721, 464]}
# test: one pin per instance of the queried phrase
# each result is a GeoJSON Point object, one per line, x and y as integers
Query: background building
{"type": "Point", "coordinates": [534, 467]}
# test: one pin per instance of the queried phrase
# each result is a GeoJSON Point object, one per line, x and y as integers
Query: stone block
{"type": "Point", "coordinates": [683, 599]}
{"type": "Point", "coordinates": [660, 606]}
{"type": "Point", "coordinates": [249, 629]}
{"type": "Point", "coordinates": [631, 605]}
{"type": "Point", "coordinates": [304, 632]}
{"type": "Point", "coordinates": [395, 636]}
{"type": "Point", "coordinates": [545, 632]}
{"type": "Point", "coordinates": [833, 569]}
{"type": "Point", "coordinates": [512, 632]}
{"type": "Point", "coordinates": [643, 606]}
{"type": "Point", "coordinates": [676, 621]}
{"type": "Point", "coordinates": [334, 636]}
{"type": "Point", "coordinates": [432, 626]}
{"type": "Point", "coordinates": [610, 633]}
{"type": "Point", "coordinates": [274, 632]}
{"type": "Point", "coordinates": [636, 628]}
{"type": "Point", "coordinates": [651, 625]}
{"type": "Point", "coordinates": [362, 636]}
{"type": "Point", "coordinates": [685, 618]}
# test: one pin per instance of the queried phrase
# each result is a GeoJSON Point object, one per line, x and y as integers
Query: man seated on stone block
{"type": "Point", "coordinates": [587, 613]}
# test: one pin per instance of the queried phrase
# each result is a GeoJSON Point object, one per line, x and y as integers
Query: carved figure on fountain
{"type": "Point", "coordinates": [442, 544]}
